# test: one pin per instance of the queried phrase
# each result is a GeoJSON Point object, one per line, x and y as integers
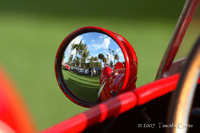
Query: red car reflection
{"type": "Point", "coordinates": [111, 81]}
{"type": "Point", "coordinates": [67, 67]}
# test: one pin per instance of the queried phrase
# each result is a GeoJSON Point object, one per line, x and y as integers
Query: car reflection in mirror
{"type": "Point", "coordinates": [89, 59]}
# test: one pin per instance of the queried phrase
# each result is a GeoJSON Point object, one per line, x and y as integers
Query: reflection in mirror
{"type": "Point", "coordinates": [91, 63]}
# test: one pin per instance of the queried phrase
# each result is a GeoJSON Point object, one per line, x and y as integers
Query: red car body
{"type": "Point", "coordinates": [112, 80]}
{"type": "Point", "coordinates": [67, 67]}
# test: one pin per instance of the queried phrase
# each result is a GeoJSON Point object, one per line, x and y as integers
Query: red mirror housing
{"type": "Point", "coordinates": [120, 78]}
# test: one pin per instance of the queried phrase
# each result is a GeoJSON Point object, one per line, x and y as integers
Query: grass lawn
{"type": "Point", "coordinates": [84, 87]}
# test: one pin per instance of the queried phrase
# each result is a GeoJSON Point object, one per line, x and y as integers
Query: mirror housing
{"type": "Point", "coordinates": [122, 76]}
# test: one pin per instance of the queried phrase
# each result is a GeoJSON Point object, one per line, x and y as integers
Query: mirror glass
{"type": "Point", "coordinates": [84, 61]}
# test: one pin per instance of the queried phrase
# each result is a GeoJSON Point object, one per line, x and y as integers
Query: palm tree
{"type": "Point", "coordinates": [96, 59]}
{"type": "Point", "coordinates": [72, 48]}
{"type": "Point", "coordinates": [77, 47]}
{"type": "Point", "coordinates": [77, 60]}
{"type": "Point", "coordinates": [116, 57]}
{"type": "Point", "coordinates": [81, 51]}
{"type": "Point", "coordinates": [70, 59]}
{"type": "Point", "coordinates": [92, 61]}
{"type": "Point", "coordinates": [110, 54]}
{"type": "Point", "coordinates": [99, 64]}
{"type": "Point", "coordinates": [113, 56]}
{"type": "Point", "coordinates": [108, 58]}
{"type": "Point", "coordinates": [85, 56]}
{"type": "Point", "coordinates": [111, 64]}
{"type": "Point", "coordinates": [105, 61]}
{"type": "Point", "coordinates": [101, 56]}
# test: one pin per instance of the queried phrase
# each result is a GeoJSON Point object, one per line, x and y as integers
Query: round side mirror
{"type": "Point", "coordinates": [94, 64]}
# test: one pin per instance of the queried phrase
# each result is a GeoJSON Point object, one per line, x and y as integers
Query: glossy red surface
{"type": "Point", "coordinates": [156, 89]}
{"type": "Point", "coordinates": [67, 67]}
{"type": "Point", "coordinates": [119, 65]}
{"type": "Point", "coordinates": [132, 69]}
{"type": "Point", "coordinates": [105, 74]}
{"type": "Point", "coordinates": [116, 106]}
{"type": "Point", "coordinates": [13, 113]}
{"type": "Point", "coordinates": [96, 115]}
{"type": "Point", "coordinates": [111, 81]}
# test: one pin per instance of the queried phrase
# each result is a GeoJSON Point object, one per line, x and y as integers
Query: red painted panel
{"type": "Point", "coordinates": [117, 105]}
{"type": "Point", "coordinates": [156, 89]}
{"type": "Point", "coordinates": [97, 114]}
